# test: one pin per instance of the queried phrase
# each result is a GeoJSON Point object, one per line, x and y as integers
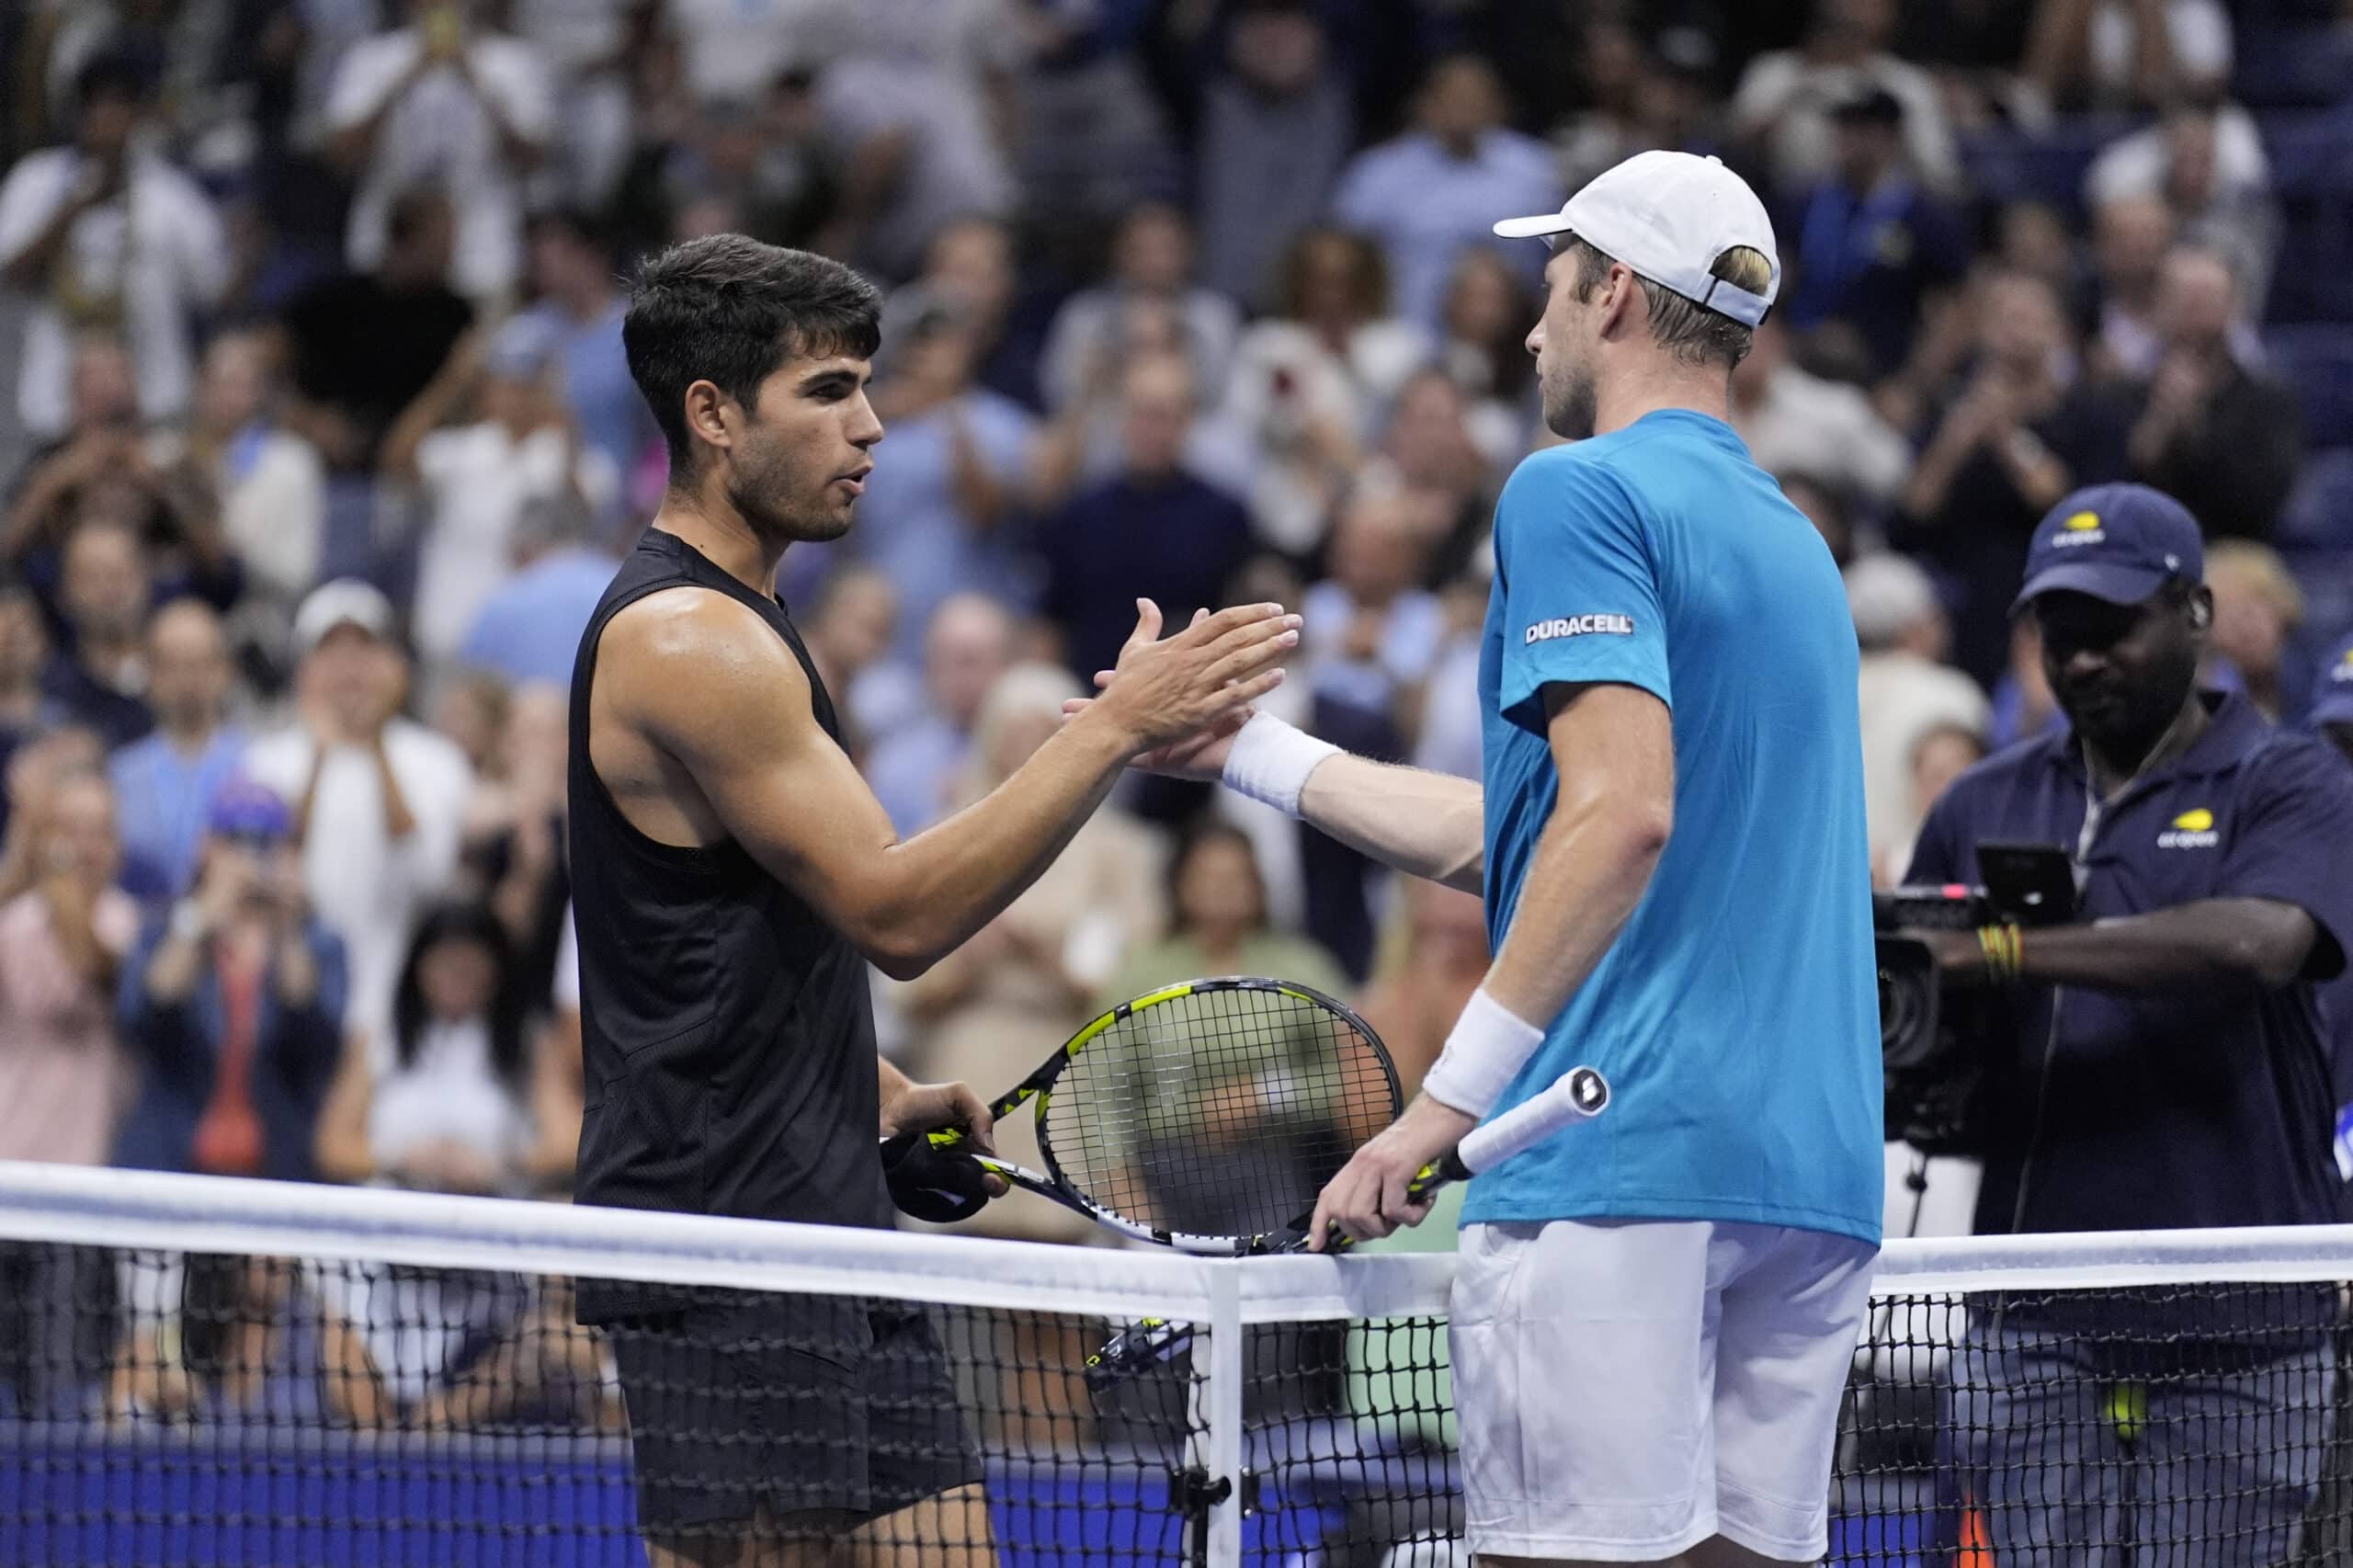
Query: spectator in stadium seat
{"type": "Point", "coordinates": [451, 1096]}
{"type": "Point", "coordinates": [25, 710]}
{"type": "Point", "coordinates": [271, 482]}
{"type": "Point", "coordinates": [513, 848]}
{"type": "Point", "coordinates": [108, 236]}
{"type": "Point", "coordinates": [2020, 431]}
{"type": "Point", "coordinates": [1308, 381]}
{"type": "Point", "coordinates": [970, 272]}
{"type": "Point", "coordinates": [909, 128]}
{"type": "Point", "coordinates": [1872, 245]}
{"type": "Point", "coordinates": [99, 678]}
{"type": "Point", "coordinates": [2184, 1083]}
{"type": "Point", "coordinates": [165, 784]}
{"type": "Point", "coordinates": [939, 517]}
{"type": "Point", "coordinates": [2206, 163]}
{"type": "Point", "coordinates": [1153, 530]}
{"type": "Point", "coordinates": [444, 102]}
{"type": "Point", "coordinates": [1485, 320]}
{"type": "Point", "coordinates": [1797, 422]}
{"type": "Point", "coordinates": [530, 627]}
{"type": "Point", "coordinates": [105, 471]}
{"type": "Point", "coordinates": [1277, 126]}
{"type": "Point", "coordinates": [851, 625]}
{"type": "Point", "coordinates": [520, 444]}
{"type": "Point", "coordinates": [230, 1006]}
{"type": "Point", "coordinates": [2125, 54]}
{"type": "Point", "coordinates": [367, 344]}
{"type": "Point", "coordinates": [1905, 688]}
{"type": "Point", "coordinates": [2215, 432]}
{"type": "Point", "coordinates": [978, 1014]}
{"type": "Point", "coordinates": [967, 644]}
{"type": "Point", "coordinates": [377, 798]}
{"type": "Point", "coordinates": [2131, 235]}
{"type": "Point", "coordinates": [1431, 194]}
{"type": "Point", "coordinates": [573, 268]}
{"type": "Point", "coordinates": [2258, 611]}
{"type": "Point", "coordinates": [63, 1080]}
{"type": "Point", "coordinates": [1443, 466]}
{"type": "Point", "coordinates": [1784, 97]}
{"type": "Point", "coordinates": [1372, 632]}
{"type": "Point", "coordinates": [1152, 260]}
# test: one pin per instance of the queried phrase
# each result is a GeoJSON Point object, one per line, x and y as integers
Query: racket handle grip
{"type": "Point", "coordinates": [1578, 1095]}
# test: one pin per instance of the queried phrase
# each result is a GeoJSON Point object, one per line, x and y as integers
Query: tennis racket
{"type": "Point", "coordinates": [1579, 1095]}
{"type": "Point", "coordinates": [1205, 1115]}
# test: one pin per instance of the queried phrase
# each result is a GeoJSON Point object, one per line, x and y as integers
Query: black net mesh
{"type": "Point", "coordinates": [169, 1408]}
{"type": "Point", "coordinates": [198, 1408]}
{"type": "Point", "coordinates": [1221, 1112]}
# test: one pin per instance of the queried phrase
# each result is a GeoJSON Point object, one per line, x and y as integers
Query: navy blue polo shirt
{"type": "Point", "coordinates": [2207, 1107]}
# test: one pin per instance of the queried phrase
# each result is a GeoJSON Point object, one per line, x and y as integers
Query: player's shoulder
{"type": "Point", "coordinates": [682, 628]}
{"type": "Point", "coordinates": [686, 653]}
{"type": "Point", "coordinates": [1584, 472]}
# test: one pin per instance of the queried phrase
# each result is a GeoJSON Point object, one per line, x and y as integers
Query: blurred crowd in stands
{"type": "Point", "coordinates": [317, 444]}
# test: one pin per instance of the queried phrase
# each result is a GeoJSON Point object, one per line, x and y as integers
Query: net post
{"type": "Point", "coordinates": [1222, 1407]}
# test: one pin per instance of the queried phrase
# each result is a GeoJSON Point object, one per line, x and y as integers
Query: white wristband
{"type": "Point", "coordinates": [1270, 760]}
{"type": "Point", "coordinates": [1484, 1054]}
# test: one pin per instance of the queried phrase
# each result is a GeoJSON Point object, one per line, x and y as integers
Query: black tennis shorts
{"type": "Point", "coordinates": [810, 1403]}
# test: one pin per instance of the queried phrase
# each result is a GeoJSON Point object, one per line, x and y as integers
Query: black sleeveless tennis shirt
{"type": "Point", "coordinates": [727, 1031]}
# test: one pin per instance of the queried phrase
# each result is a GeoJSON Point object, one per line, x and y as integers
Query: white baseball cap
{"type": "Point", "coordinates": [1668, 216]}
{"type": "Point", "coordinates": [346, 601]}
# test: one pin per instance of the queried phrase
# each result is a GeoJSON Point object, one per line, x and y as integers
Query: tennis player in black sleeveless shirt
{"type": "Point", "coordinates": [733, 878]}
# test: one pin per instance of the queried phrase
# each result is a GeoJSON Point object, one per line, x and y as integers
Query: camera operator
{"type": "Point", "coordinates": [2167, 1065]}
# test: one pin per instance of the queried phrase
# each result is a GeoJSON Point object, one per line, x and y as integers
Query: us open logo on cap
{"type": "Point", "coordinates": [2341, 673]}
{"type": "Point", "coordinates": [2192, 830]}
{"type": "Point", "coordinates": [2082, 528]}
{"type": "Point", "coordinates": [1579, 626]}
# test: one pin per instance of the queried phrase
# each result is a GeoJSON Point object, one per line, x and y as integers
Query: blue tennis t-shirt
{"type": "Point", "coordinates": [1737, 1015]}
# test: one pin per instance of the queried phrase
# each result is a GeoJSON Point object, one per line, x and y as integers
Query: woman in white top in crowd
{"type": "Point", "coordinates": [448, 1101]}
{"type": "Point", "coordinates": [1311, 384]}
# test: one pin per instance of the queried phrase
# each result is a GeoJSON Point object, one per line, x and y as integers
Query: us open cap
{"type": "Point", "coordinates": [1668, 216]}
{"type": "Point", "coordinates": [2332, 696]}
{"type": "Point", "coordinates": [2117, 542]}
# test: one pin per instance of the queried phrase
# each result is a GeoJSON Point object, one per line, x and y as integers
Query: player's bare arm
{"type": "Point", "coordinates": [1614, 747]}
{"type": "Point", "coordinates": [1424, 825]}
{"type": "Point", "coordinates": [701, 724]}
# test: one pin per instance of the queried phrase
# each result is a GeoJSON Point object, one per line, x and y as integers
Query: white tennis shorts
{"type": "Point", "coordinates": [1626, 1388]}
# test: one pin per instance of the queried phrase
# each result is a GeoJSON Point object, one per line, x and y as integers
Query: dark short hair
{"type": "Point", "coordinates": [728, 310]}
{"type": "Point", "coordinates": [119, 75]}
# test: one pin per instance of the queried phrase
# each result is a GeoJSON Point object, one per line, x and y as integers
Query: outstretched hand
{"type": "Point", "coordinates": [1200, 755]}
{"type": "Point", "coordinates": [1166, 692]}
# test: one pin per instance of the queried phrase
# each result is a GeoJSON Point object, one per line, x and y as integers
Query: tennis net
{"type": "Point", "coordinates": [225, 1373]}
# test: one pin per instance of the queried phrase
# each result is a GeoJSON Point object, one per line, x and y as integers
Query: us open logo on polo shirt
{"type": "Point", "coordinates": [2082, 528]}
{"type": "Point", "coordinates": [1579, 626]}
{"type": "Point", "coordinates": [2191, 830]}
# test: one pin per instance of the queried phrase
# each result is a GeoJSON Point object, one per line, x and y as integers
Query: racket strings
{"type": "Point", "coordinates": [1221, 1112]}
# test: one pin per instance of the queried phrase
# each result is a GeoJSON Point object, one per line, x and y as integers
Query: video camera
{"type": "Point", "coordinates": [1934, 1047]}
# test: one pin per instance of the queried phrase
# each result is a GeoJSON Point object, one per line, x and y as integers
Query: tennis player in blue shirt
{"type": "Point", "coordinates": [1655, 1313]}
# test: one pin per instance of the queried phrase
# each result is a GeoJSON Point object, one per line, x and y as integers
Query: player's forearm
{"type": "Point", "coordinates": [1592, 864]}
{"type": "Point", "coordinates": [1425, 825]}
{"type": "Point", "coordinates": [945, 884]}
